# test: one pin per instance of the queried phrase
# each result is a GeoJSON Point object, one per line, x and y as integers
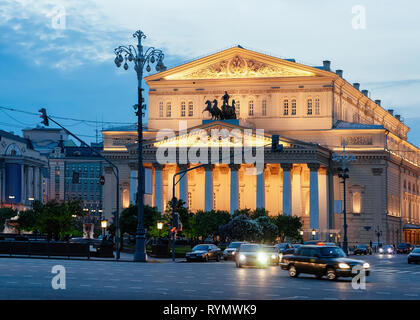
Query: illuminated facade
{"type": "Point", "coordinates": [313, 110]}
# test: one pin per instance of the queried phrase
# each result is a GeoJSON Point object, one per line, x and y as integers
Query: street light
{"type": "Point", "coordinates": [301, 235]}
{"type": "Point", "coordinates": [159, 226]}
{"type": "Point", "coordinates": [313, 234]}
{"type": "Point", "coordinates": [104, 225]}
{"type": "Point", "coordinates": [141, 61]}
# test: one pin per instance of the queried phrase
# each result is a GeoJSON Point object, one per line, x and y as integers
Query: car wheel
{"type": "Point", "coordinates": [217, 258]}
{"type": "Point", "coordinates": [331, 274]}
{"type": "Point", "coordinates": [206, 259]}
{"type": "Point", "coordinates": [293, 272]}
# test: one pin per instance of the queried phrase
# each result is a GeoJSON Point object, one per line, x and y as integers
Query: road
{"type": "Point", "coordinates": [24, 278]}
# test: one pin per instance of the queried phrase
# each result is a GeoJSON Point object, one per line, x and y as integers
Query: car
{"type": "Point", "coordinates": [414, 256]}
{"type": "Point", "coordinates": [296, 245]}
{"type": "Point", "coordinates": [204, 252]}
{"type": "Point", "coordinates": [285, 248]}
{"type": "Point", "coordinates": [230, 251]}
{"type": "Point", "coordinates": [404, 248]}
{"type": "Point", "coordinates": [386, 249]}
{"type": "Point", "coordinates": [330, 261]}
{"type": "Point", "coordinates": [251, 254]}
{"type": "Point", "coordinates": [274, 254]}
{"type": "Point", "coordinates": [362, 249]}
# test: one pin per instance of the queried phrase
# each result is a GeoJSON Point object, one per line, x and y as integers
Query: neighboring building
{"type": "Point", "coordinates": [313, 110]}
{"type": "Point", "coordinates": [23, 172]}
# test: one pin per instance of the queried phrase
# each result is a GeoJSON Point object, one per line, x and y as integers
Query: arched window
{"type": "Point", "coordinates": [251, 108]}
{"type": "Point", "coordinates": [168, 109]}
{"type": "Point", "coordinates": [183, 109]}
{"type": "Point", "coordinates": [190, 109]}
{"type": "Point", "coordinates": [317, 107]}
{"type": "Point", "coordinates": [161, 109]}
{"type": "Point", "coordinates": [293, 107]}
{"type": "Point", "coordinates": [309, 110]}
{"type": "Point", "coordinates": [285, 107]}
{"type": "Point", "coordinates": [264, 108]}
{"type": "Point", "coordinates": [238, 107]}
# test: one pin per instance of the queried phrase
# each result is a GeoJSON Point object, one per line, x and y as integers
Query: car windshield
{"type": "Point", "coordinates": [417, 250]}
{"type": "Point", "coordinates": [201, 247]}
{"type": "Point", "coordinates": [250, 247]}
{"type": "Point", "coordinates": [362, 246]}
{"type": "Point", "coordinates": [270, 249]}
{"type": "Point", "coordinates": [334, 252]}
{"type": "Point", "coordinates": [386, 246]}
{"type": "Point", "coordinates": [402, 245]}
{"type": "Point", "coordinates": [234, 245]}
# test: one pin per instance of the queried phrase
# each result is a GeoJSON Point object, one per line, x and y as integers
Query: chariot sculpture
{"type": "Point", "coordinates": [225, 112]}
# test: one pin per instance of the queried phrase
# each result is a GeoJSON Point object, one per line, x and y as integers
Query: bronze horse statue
{"type": "Point", "coordinates": [227, 112]}
{"type": "Point", "coordinates": [215, 112]}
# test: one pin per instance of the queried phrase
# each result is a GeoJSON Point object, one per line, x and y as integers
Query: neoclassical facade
{"type": "Point", "coordinates": [313, 110]}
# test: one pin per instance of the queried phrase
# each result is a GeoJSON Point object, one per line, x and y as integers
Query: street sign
{"type": "Point", "coordinates": [102, 180]}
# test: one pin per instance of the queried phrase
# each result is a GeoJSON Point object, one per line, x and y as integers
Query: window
{"type": "Point", "coordinates": [356, 202]}
{"type": "Point", "coordinates": [238, 108]}
{"type": "Point", "coordinates": [285, 107]}
{"type": "Point", "coordinates": [214, 200]}
{"type": "Point", "coordinates": [190, 109]}
{"type": "Point", "coordinates": [309, 107]}
{"type": "Point", "coordinates": [161, 109]}
{"type": "Point", "coordinates": [168, 109]}
{"type": "Point", "coordinates": [317, 107]}
{"type": "Point", "coordinates": [189, 200]}
{"type": "Point", "coordinates": [183, 109]}
{"type": "Point", "coordinates": [264, 107]}
{"type": "Point", "coordinates": [293, 107]}
{"type": "Point", "coordinates": [251, 108]}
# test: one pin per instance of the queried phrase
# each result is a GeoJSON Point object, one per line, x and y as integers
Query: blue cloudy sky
{"type": "Point", "coordinates": [71, 71]}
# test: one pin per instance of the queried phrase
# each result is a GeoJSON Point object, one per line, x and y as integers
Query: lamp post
{"type": "Point", "coordinates": [141, 60]}
{"type": "Point", "coordinates": [104, 225]}
{"type": "Point", "coordinates": [343, 174]}
{"type": "Point", "coordinates": [159, 227]}
{"type": "Point", "coordinates": [301, 235]}
{"type": "Point", "coordinates": [313, 234]}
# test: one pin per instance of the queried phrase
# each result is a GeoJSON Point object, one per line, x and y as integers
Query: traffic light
{"type": "Point", "coordinates": [44, 116]}
{"type": "Point", "coordinates": [275, 146]}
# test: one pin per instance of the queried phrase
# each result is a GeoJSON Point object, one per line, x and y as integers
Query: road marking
{"type": "Point", "coordinates": [136, 280]}
{"type": "Point", "coordinates": [136, 288]}
{"type": "Point", "coordinates": [217, 292]}
{"type": "Point", "coordinates": [85, 285]}
{"type": "Point", "coordinates": [382, 292]}
{"type": "Point", "coordinates": [164, 289]}
{"type": "Point", "coordinates": [110, 287]}
{"type": "Point", "coordinates": [11, 282]}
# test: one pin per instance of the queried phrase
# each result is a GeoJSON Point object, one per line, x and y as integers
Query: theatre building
{"type": "Point", "coordinates": [312, 109]}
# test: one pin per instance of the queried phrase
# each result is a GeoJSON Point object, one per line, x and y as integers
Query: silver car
{"type": "Point", "coordinates": [250, 254]}
{"type": "Point", "coordinates": [230, 251]}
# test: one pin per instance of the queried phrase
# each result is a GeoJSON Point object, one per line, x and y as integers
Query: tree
{"type": "Point", "coordinates": [241, 228]}
{"type": "Point", "coordinates": [288, 227]}
{"type": "Point", "coordinates": [259, 212]}
{"type": "Point", "coordinates": [246, 211]}
{"type": "Point", "coordinates": [128, 220]}
{"type": "Point", "coordinates": [208, 222]}
{"type": "Point", "coordinates": [268, 228]}
{"type": "Point", "coordinates": [6, 214]}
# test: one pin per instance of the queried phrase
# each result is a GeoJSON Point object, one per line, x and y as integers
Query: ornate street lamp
{"type": "Point", "coordinates": [159, 227]}
{"type": "Point", "coordinates": [141, 60]}
{"type": "Point", "coordinates": [313, 234]}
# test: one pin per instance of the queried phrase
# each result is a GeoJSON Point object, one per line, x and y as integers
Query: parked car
{"type": "Point", "coordinates": [404, 248]}
{"type": "Point", "coordinates": [386, 249]}
{"type": "Point", "coordinates": [251, 254]}
{"type": "Point", "coordinates": [274, 254]}
{"type": "Point", "coordinates": [362, 249]}
{"type": "Point", "coordinates": [414, 256]}
{"type": "Point", "coordinates": [285, 248]}
{"type": "Point", "coordinates": [330, 261]}
{"type": "Point", "coordinates": [230, 251]}
{"type": "Point", "coordinates": [296, 245]}
{"type": "Point", "coordinates": [204, 252]}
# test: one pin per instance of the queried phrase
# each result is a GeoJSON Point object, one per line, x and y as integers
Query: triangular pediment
{"type": "Point", "coordinates": [238, 62]}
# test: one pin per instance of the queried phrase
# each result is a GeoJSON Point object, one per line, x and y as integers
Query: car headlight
{"type": "Point", "coordinates": [343, 265]}
{"type": "Point", "coordinates": [242, 257]}
{"type": "Point", "coordinates": [262, 257]}
{"type": "Point", "coordinates": [366, 265]}
{"type": "Point", "coordinates": [381, 250]}
{"type": "Point", "coordinates": [233, 253]}
{"type": "Point", "coordinates": [389, 250]}
{"type": "Point", "coordinates": [273, 256]}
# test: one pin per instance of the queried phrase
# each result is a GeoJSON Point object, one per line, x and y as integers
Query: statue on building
{"type": "Point", "coordinates": [225, 113]}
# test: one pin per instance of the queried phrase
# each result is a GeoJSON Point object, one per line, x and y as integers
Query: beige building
{"type": "Point", "coordinates": [312, 109]}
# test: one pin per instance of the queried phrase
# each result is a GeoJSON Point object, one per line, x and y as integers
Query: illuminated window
{"type": "Point", "coordinates": [286, 107]}
{"type": "Point", "coordinates": [293, 107]}
{"type": "Point", "coordinates": [161, 109]}
{"type": "Point", "coordinates": [251, 108]}
{"type": "Point", "coordinates": [357, 202]}
{"type": "Point", "coordinates": [317, 107]}
{"type": "Point", "coordinates": [264, 107]}
{"type": "Point", "coordinates": [190, 109]}
{"type": "Point", "coordinates": [168, 109]}
{"type": "Point", "coordinates": [309, 107]}
{"type": "Point", "coordinates": [183, 109]}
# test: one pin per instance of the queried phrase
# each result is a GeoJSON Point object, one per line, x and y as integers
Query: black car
{"type": "Point", "coordinates": [204, 252]}
{"type": "Point", "coordinates": [362, 249]}
{"type": "Point", "coordinates": [285, 248]}
{"type": "Point", "coordinates": [330, 261]}
{"type": "Point", "coordinates": [414, 256]}
{"type": "Point", "coordinates": [404, 248]}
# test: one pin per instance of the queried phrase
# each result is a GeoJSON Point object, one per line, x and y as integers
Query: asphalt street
{"type": "Point", "coordinates": [24, 278]}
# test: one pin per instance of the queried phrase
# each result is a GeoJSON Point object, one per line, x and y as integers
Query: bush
{"type": "Point", "coordinates": [242, 228]}
{"type": "Point", "coordinates": [269, 230]}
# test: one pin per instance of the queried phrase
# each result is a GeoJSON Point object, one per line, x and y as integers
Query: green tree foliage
{"type": "Point", "coordinates": [259, 212]}
{"type": "Point", "coordinates": [208, 222]}
{"type": "Point", "coordinates": [6, 214]}
{"type": "Point", "coordinates": [288, 227]}
{"type": "Point", "coordinates": [238, 212]}
{"type": "Point", "coordinates": [242, 228]}
{"type": "Point", "coordinates": [268, 228]}
{"type": "Point", "coordinates": [128, 220]}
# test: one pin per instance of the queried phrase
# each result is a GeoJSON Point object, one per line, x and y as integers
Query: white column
{"type": "Point", "coordinates": [36, 183]}
{"type": "Point", "coordinates": [287, 189]}
{"type": "Point", "coordinates": [208, 188]}
{"type": "Point", "coordinates": [296, 192]}
{"type": "Point", "coordinates": [234, 187]}
{"type": "Point", "coordinates": [183, 185]}
{"type": "Point", "coordinates": [313, 196]}
{"type": "Point", "coordinates": [31, 182]}
{"type": "Point", "coordinates": [133, 186]}
{"type": "Point", "coordinates": [261, 189]}
{"type": "Point", "coordinates": [158, 201]}
{"type": "Point", "coordinates": [323, 191]}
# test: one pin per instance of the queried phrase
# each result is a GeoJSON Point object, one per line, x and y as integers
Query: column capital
{"type": "Point", "coordinates": [286, 166]}
{"type": "Point", "coordinates": [313, 166]}
{"type": "Point", "coordinates": [234, 166]}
